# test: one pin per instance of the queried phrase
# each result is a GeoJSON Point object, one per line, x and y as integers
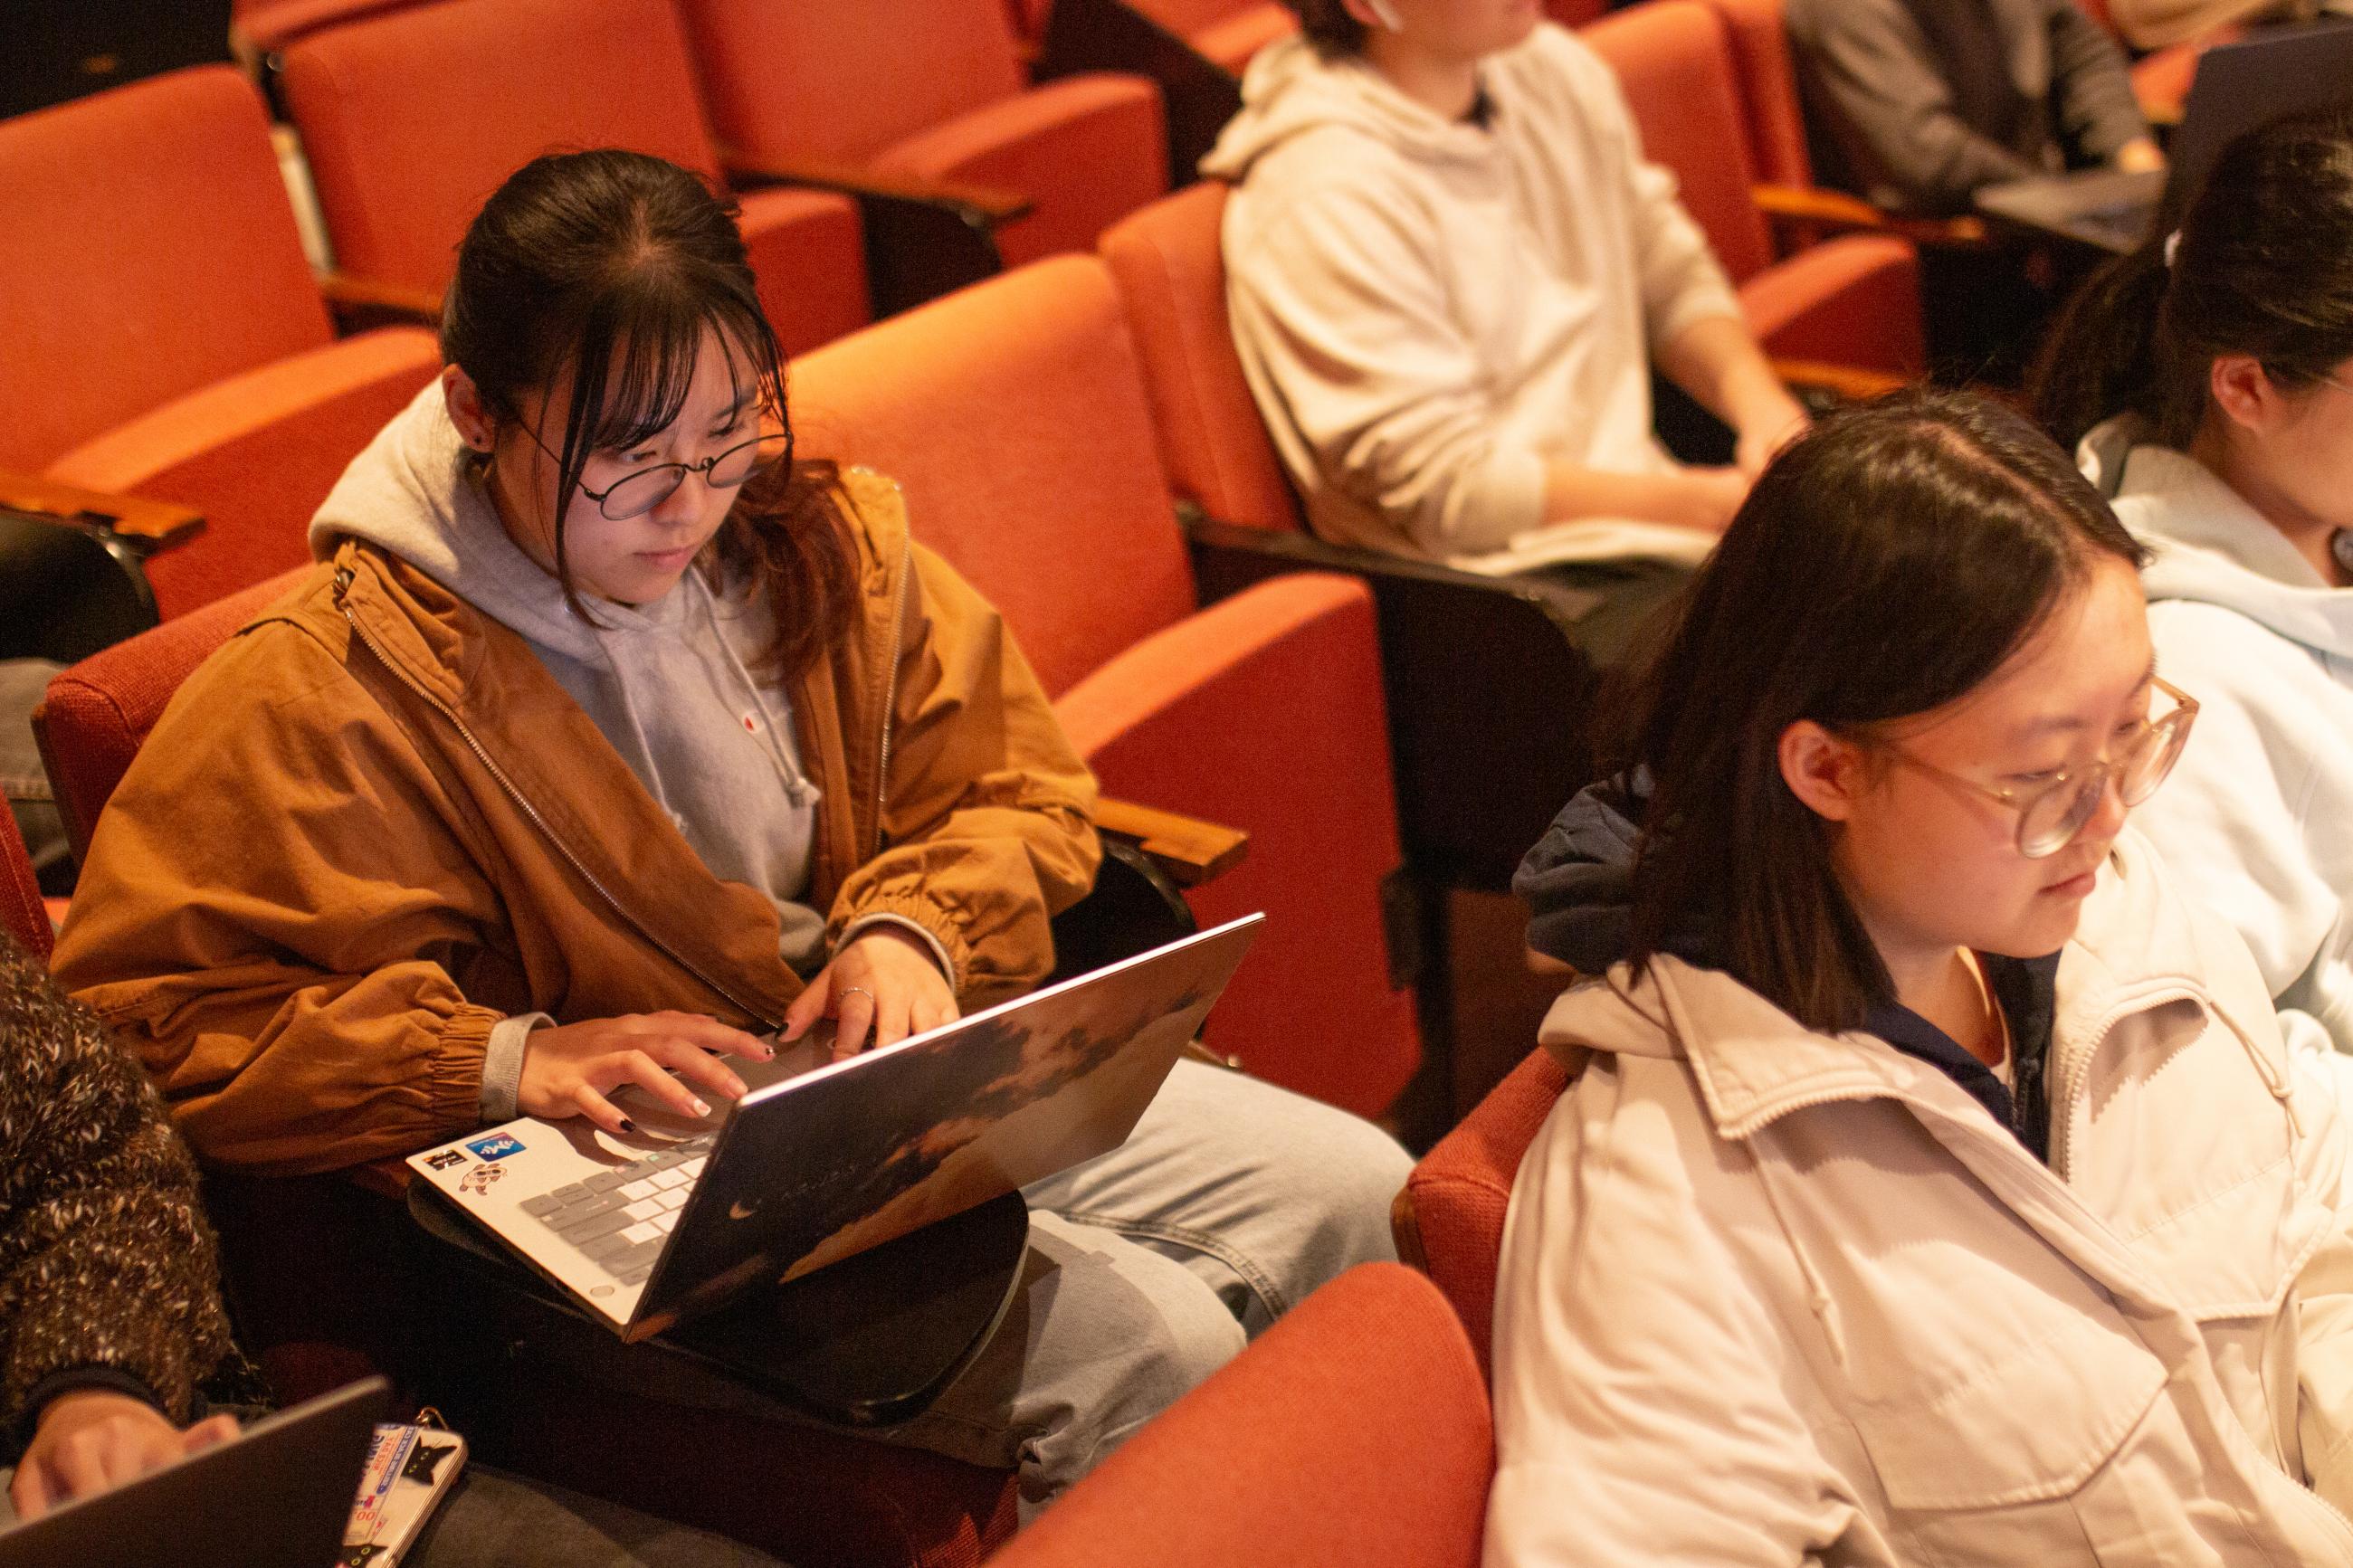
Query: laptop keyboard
{"type": "Point", "coordinates": [621, 1219]}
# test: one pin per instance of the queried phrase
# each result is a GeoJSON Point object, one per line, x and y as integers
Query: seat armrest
{"type": "Point", "coordinates": [1084, 36]}
{"type": "Point", "coordinates": [978, 204]}
{"type": "Point", "coordinates": [144, 525]}
{"type": "Point", "coordinates": [1490, 682]}
{"type": "Point", "coordinates": [1842, 382]}
{"type": "Point", "coordinates": [924, 237]}
{"type": "Point", "coordinates": [1814, 212]}
{"type": "Point", "coordinates": [360, 304]}
{"type": "Point", "coordinates": [1185, 849]}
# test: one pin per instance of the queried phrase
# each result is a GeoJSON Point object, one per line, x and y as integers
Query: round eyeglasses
{"type": "Point", "coordinates": [2050, 814]}
{"type": "Point", "coordinates": [634, 495]}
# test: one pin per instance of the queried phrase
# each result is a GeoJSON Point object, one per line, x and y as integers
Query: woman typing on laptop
{"type": "Point", "coordinates": [608, 737]}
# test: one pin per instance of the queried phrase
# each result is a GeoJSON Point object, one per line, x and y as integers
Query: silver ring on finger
{"type": "Point", "coordinates": [850, 991]}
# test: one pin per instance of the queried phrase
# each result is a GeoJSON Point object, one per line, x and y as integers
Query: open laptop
{"type": "Point", "coordinates": [2240, 87]}
{"type": "Point", "coordinates": [817, 1163]}
{"type": "Point", "coordinates": [277, 1497]}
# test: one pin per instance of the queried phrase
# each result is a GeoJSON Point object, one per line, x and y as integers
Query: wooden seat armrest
{"type": "Point", "coordinates": [1187, 850]}
{"type": "Point", "coordinates": [362, 302]}
{"type": "Point", "coordinates": [1808, 207]}
{"type": "Point", "coordinates": [146, 525]}
{"type": "Point", "coordinates": [1849, 384]}
{"type": "Point", "coordinates": [981, 205]}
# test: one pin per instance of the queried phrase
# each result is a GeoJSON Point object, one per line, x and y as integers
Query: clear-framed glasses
{"type": "Point", "coordinates": [634, 495]}
{"type": "Point", "coordinates": [2050, 814]}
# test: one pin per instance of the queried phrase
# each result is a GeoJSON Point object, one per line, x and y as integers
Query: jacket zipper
{"type": "Point", "coordinates": [342, 583]}
{"type": "Point", "coordinates": [891, 691]}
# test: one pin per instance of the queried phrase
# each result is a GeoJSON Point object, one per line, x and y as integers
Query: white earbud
{"type": "Point", "coordinates": [1386, 12]}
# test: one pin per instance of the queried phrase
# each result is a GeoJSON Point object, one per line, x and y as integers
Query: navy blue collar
{"type": "Point", "coordinates": [2026, 992]}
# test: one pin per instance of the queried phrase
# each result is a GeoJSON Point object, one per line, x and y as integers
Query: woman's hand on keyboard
{"type": "Point", "coordinates": [878, 990]}
{"type": "Point", "coordinates": [568, 1070]}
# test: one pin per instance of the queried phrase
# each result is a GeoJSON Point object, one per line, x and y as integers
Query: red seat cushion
{"type": "Point", "coordinates": [256, 453]}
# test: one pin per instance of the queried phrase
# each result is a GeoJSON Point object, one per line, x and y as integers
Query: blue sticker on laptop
{"type": "Point", "coordinates": [497, 1146]}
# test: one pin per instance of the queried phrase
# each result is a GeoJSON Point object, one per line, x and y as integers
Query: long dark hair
{"type": "Point", "coordinates": [2263, 266]}
{"type": "Point", "coordinates": [613, 265]}
{"type": "Point", "coordinates": [1885, 565]}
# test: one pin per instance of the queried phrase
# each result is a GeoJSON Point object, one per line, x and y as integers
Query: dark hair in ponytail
{"type": "Point", "coordinates": [2263, 266]}
{"type": "Point", "coordinates": [613, 266]}
{"type": "Point", "coordinates": [1885, 565]}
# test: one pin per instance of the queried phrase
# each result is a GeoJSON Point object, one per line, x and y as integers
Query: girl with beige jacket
{"type": "Point", "coordinates": [1933, 1186]}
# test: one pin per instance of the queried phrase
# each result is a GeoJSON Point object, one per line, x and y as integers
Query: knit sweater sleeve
{"type": "Point", "coordinates": [106, 1261]}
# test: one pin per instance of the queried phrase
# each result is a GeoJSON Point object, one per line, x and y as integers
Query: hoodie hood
{"type": "Point", "coordinates": [2211, 546]}
{"type": "Point", "coordinates": [668, 683]}
{"type": "Point", "coordinates": [416, 492]}
{"type": "Point", "coordinates": [1290, 89]}
{"type": "Point", "coordinates": [1578, 880]}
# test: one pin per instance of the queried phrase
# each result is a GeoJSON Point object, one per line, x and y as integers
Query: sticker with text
{"type": "Point", "coordinates": [497, 1146]}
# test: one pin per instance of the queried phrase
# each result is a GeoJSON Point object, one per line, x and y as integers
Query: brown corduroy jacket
{"type": "Point", "coordinates": [372, 826]}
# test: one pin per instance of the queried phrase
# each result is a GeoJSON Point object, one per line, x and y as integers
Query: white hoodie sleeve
{"type": "Point", "coordinates": [1643, 1412]}
{"type": "Point", "coordinates": [2256, 821]}
{"type": "Point", "coordinates": [1336, 299]}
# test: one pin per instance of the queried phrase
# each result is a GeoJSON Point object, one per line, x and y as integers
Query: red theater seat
{"type": "Point", "coordinates": [23, 915]}
{"type": "Point", "coordinates": [1353, 1433]}
{"type": "Point", "coordinates": [1014, 416]}
{"type": "Point", "coordinates": [412, 119]}
{"type": "Point", "coordinates": [1450, 1218]}
{"type": "Point", "coordinates": [931, 90]}
{"type": "Point", "coordinates": [1851, 301]}
{"type": "Point", "coordinates": [1225, 32]}
{"type": "Point", "coordinates": [180, 347]}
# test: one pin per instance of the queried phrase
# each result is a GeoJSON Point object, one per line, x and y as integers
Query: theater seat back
{"type": "Point", "coordinates": [412, 118]}
{"type": "Point", "coordinates": [1172, 279]}
{"type": "Point", "coordinates": [1012, 415]}
{"type": "Point", "coordinates": [1451, 1212]}
{"type": "Point", "coordinates": [1768, 89]}
{"type": "Point", "coordinates": [97, 713]}
{"type": "Point", "coordinates": [845, 80]}
{"type": "Point", "coordinates": [148, 249]}
{"type": "Point", "coordinates": [22, 913]}
{"type": "Point", "coordinates": [1674, 61]}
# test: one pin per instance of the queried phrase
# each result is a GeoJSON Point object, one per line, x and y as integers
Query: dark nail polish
{"type": "Point", "coordinates": [627, 1125]}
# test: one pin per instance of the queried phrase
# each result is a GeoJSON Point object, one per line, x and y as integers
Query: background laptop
{"type": "Point", "coordinates": [816, 1164]}
{"type": "Point", "coordinates": [278, 1497]}
{"type": "Point", "coordinates": [2272, 74]}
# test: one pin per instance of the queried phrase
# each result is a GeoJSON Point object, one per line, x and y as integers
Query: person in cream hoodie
{"type": "Point", "coordinates": [2213, 396]}
{"type": "Point", "coordinates": [1451, 273]}
{"type": "Point", "coordinates": [1932, 1185]}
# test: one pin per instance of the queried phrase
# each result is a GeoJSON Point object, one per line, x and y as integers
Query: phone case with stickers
{"type": "Point", "coordinates": [410, 1469]}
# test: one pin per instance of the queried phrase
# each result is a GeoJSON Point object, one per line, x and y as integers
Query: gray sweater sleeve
{"type": "Point", "coordinates": [1892, 112]}
{"type": "Point", "coordinates": [2090, 87]}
